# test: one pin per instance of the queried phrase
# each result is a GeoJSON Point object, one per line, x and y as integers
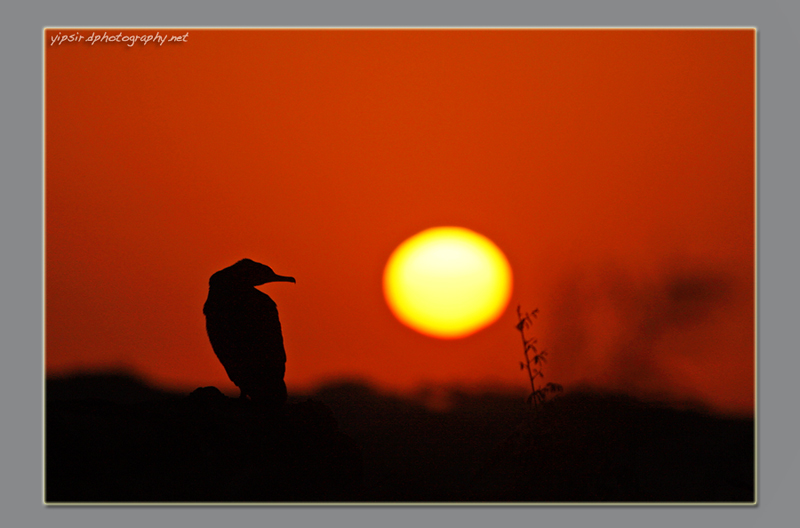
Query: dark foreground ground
{"type": "Point", "coordinates": [112, 439]}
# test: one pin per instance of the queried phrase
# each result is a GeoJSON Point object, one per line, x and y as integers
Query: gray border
{"type": "Point", "coordinates": [21, 229]}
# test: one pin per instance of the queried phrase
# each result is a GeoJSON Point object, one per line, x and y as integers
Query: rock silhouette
{"type": "Point", "coordinates": [245, 331]}
{"type": "Point", "coordinates": [134, 444]}
{"type": "Point", "coordinates": [605, 447]}
{"type": "Point", "coordinates": [204, 447]}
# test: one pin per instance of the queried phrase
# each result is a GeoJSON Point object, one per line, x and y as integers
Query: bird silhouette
{"type": "Point", "coordinates": [245, 332]}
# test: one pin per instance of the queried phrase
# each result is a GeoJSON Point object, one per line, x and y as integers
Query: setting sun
{"type": "Point", "coordinates": [447, 282]}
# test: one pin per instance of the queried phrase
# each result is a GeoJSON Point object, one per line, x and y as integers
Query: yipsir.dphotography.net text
{"type": "Point", "coordinates": [129, 40]}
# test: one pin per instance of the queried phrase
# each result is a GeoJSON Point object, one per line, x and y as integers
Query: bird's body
{"type": "Point", "coordinates": [245, 331]}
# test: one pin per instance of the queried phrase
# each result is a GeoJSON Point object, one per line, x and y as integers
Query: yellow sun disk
{"type": "Point", "coordinates": [447, 282]}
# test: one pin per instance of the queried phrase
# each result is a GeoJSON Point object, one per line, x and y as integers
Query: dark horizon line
{"type": "Point", "coordinates": [126, 379]}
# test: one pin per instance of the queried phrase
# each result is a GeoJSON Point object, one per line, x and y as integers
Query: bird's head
{"type": "Point", "coordinates": [247, 273]}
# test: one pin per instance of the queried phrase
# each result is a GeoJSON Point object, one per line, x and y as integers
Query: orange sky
{"type": "Point", "coordinates": [615, 169]}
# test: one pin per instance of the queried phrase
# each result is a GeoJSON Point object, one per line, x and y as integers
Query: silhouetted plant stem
{"type": "Point", "coordinates": [527, 359]}
{"type": "Point", "coordinates": [537, 358]}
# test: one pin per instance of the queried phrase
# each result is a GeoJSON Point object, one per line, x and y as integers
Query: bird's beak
{"type": "Point", "coordinates": [281, 278]}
